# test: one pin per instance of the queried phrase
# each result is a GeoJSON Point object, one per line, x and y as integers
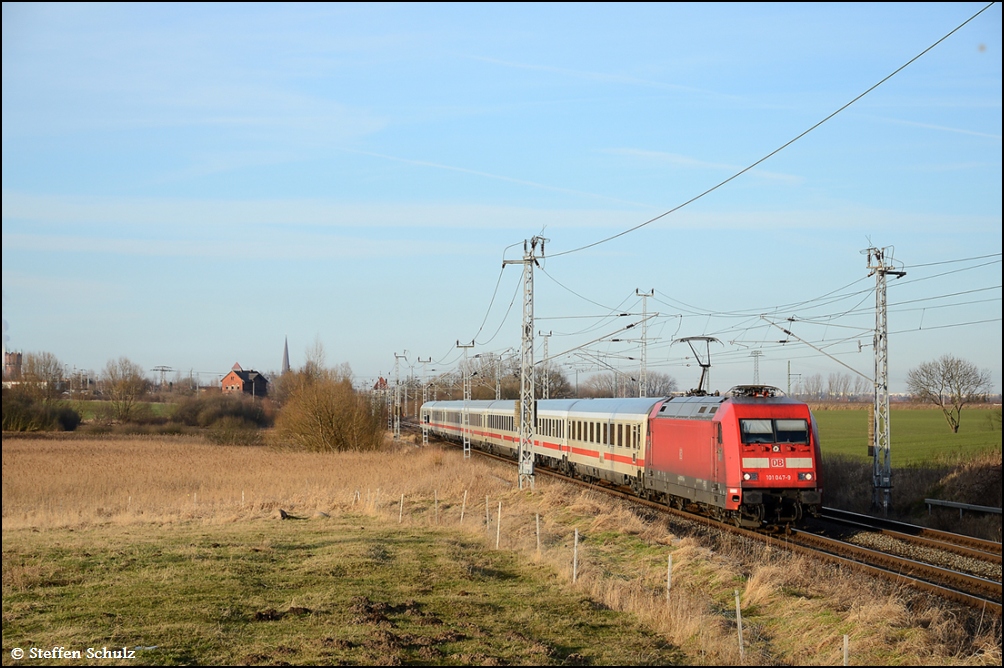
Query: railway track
{"type": "Point", "coordinates": [959, 568]}
{"type": "Point", "coordinates": [929, 570]}
{"type": "Point", "coordinates": [917, 535]}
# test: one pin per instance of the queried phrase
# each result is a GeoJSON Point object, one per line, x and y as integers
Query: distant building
{"type": "Point", "coordinates": [246, 381]}
{"type": "Point", "coordinates": [285, 358]}
{"type": "Point", "coordinates": [11, 365]}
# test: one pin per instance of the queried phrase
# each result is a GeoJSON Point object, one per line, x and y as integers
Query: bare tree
{"type": "Point", "coordinates": [862, 387]}
{"type": "Point", "coordinates": [813, 386]}
{"type": "Point", "coordinates": [558, 385]}
{"type": "Point", "coordinates": [949, 383]}
{"type": "Point", "coordinates": [838, 386]}
{"type": "Point", "coordinates": [125, 385]}
{"type": "Point", "coordinates": [42, 375]}
{"type": "Point", "coordinates": [624, 385]}
{"type": "Point", "coordinates": [602, 385]}
{"type": "Point", "coordinates": [661, 384]}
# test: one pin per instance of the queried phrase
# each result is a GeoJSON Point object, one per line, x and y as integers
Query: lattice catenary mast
{"type": "Point", "coordinates": [546, 393]}
{"type": "Point", "coordinates": [465, 415]}
{"type": "Point", "coordinates": [881, 444]}
{"type": "Point", "coordinates": [425, 398]}
{"type": "Point", "coordinates": [397, 395]}
{"type": "Point", "coordinates": [527, 415]}
{"type": "Point", "coordinates": [643, 376]}
{"type": "Point", "coordinates": [756, 354]}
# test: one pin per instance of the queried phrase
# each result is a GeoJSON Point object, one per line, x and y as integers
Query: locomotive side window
{"type": "Point", "coordinates": [792, 431]}
{"type": "Point", "coordinates": [756, 431]}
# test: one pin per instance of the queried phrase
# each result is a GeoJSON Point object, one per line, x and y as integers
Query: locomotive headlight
{"type": "Point", "coordinates": [805, 476]}
{"type": "Point", "coordinates": [750, 476]}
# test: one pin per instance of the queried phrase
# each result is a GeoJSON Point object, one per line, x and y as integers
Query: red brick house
{"type": "Point", "coordinates": [247, 381]}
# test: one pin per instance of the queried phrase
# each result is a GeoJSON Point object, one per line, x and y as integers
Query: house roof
{"type": "Point", "coordinates": [247, 375]}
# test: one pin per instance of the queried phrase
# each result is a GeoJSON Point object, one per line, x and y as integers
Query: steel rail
{"type": "Point", "coordinates": [970, 546]}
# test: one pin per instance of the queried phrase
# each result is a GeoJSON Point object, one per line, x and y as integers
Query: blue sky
{"type": "Point", "coordinates": [189, 185]}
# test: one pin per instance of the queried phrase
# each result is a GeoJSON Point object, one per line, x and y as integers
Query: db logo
{"type": "Point", "coordinates": [777, 462]}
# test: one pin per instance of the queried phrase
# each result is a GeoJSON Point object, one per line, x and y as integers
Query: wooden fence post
{"type": "Point", "coordinates": [538, 533]}
{"type": "Point", "coordinates": [739, 625]}
{"type": "Point", "coordinates": [669, 576]}
{"type": "Point", "coordinates": [575, 558]}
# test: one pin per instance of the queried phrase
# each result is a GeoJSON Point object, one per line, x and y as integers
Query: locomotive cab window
{"type": "Point", "coordinates": [756, 431]}
{"type": "Point", "coordinates": [792, 431]}
{"type": "Point", "coordinates": [774, 431]}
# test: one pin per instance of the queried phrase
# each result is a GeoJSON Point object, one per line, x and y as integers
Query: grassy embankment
{"type": "Point", "coordinates": [175, 544]}
{"type": "Point", "coordinates": [928, 461]}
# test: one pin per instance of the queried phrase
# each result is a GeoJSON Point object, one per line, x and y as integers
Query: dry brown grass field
{"type": "Point", "coordinates": [795, 611]}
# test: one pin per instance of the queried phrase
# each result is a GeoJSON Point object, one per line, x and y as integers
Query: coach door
{"type": "Point", "coordinates": [609, 432]}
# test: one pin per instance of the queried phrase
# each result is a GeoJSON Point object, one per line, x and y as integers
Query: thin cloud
{"type": "Point", "coordinates": [497, 177]}
{"type": "Point", "coordinates": [932, 126]}
{"type": "Point", "coordinates": [289, 247]}
{"type": "Point", "coordinates": [685, 161]}
{"type": "Point", "coordinates": [600, 76]}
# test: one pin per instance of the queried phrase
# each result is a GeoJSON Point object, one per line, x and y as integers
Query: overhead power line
{"type": "Point", "coordinates": [778, 149]}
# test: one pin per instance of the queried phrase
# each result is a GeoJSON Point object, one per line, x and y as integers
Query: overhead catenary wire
{"type": "Point", "coordinates": [778, 149]}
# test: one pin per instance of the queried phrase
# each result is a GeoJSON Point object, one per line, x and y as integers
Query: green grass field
{"type": "Point", "coordinates": [918, 435]}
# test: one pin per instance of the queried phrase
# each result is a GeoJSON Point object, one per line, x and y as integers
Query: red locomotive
{"type": "Point", "coordinates": [749, 456]}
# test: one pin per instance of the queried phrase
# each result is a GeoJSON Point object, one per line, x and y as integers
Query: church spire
{"type": "Point", "coordinates": [285, 356]}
